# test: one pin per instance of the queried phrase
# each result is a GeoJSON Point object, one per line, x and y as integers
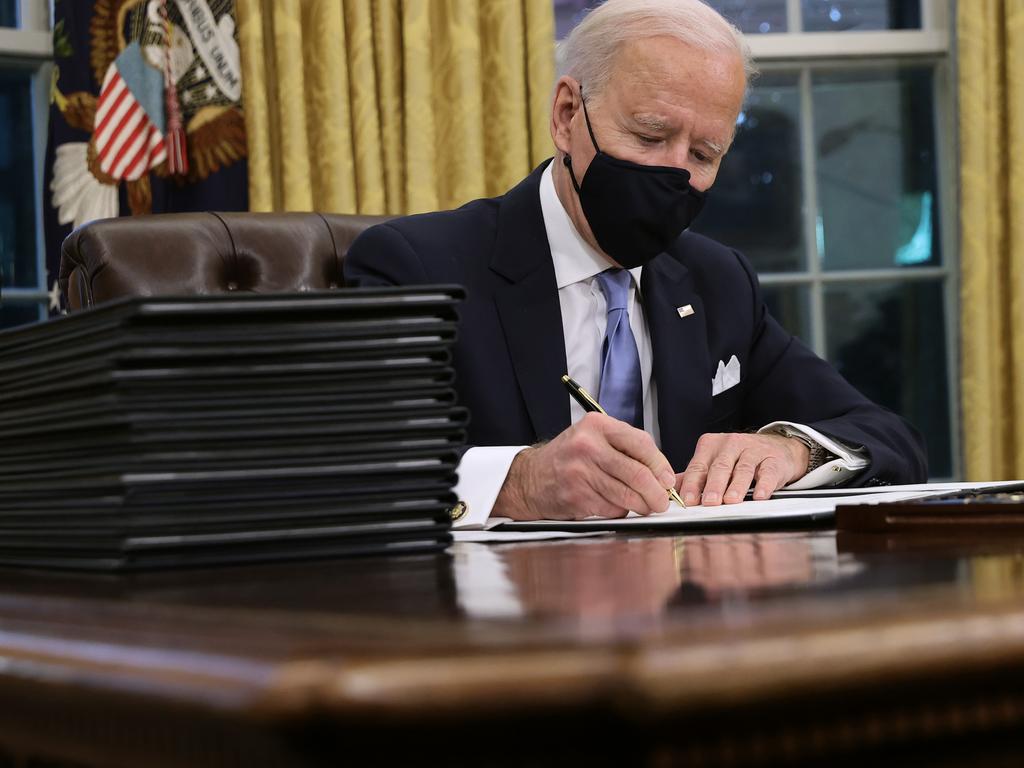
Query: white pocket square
{"type": "Point", "coordinates": [726, 377]}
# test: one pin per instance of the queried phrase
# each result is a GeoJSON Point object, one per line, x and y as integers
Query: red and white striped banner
{"type": "Point", "coordinates": [128, 142]}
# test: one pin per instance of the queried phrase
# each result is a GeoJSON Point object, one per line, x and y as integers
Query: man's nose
{"type": "Point", "coordinates": [679, 156]}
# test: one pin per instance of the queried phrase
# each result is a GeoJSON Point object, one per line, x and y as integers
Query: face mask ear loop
{"type": "Point", "coordinates": [586, 116]}
{"type": "Point", "coordinates": [566, 160]}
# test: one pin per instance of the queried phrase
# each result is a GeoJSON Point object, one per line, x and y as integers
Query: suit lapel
{"type": "Point", "coordinates": [528, 306]}
{"type": "Point", "coordinates": [681, 365]}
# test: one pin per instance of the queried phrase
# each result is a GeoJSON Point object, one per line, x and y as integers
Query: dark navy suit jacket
{"type": "Point", "coordinates": [510, 352]}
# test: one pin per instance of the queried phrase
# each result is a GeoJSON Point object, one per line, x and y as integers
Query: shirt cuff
{"type": "Point", "coordinates": [482, 472]}
{"type": "Point", "coordinates": [848, 462]}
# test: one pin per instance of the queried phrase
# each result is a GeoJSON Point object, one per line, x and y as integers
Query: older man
{"type": "Point", "coordinates": [585, 267]}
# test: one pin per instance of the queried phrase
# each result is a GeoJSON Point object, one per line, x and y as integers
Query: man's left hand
{"type": "Point", "coordinates": [725, 465]}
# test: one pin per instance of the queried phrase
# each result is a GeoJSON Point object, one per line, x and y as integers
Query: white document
{"type": "Point", "coordinates": [778, 510]}
{"type": "Point", "coordinates": [785, 506]}
{"type": "Point", "coordinates": [922, 487]}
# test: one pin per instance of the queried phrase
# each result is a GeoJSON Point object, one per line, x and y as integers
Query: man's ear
{"type": "Point", "coordinates": [564, 106]}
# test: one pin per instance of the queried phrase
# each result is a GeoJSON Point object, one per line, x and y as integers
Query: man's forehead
{"type": "Point", "coordinates": [667, 61]}
{"type": "Point", "coordinates": [652, 87]}
{"type": "Point", "coordinates": [666, 53]}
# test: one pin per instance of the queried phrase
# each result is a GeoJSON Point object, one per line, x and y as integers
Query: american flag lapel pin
{"type": "Point", "coordinates": [685, 311]}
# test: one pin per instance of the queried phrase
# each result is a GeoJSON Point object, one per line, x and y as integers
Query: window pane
{"type": "Point", "coordinates": [791, 306]}
{"type": "Point", "coordinates": [17, 187]}
{"type": "Point", "coordinates": [8, 13]}
{"type": "Point", "coordinates": [12, 314]}
{"type": "Point", "coordinates": [875, 142]}
{"type": "Point", "coordinates": [747, 15]}
{"type": "Point", "coordinates": [860, 15]}
{"type": "Point", "coordinates": [889, 341]}
{"type": "Point", "coordinates": [753, 15]}
{"type": "Point", "coordinates": [757, 200]}
{"type": "Point", "coordinates": [760, 16]}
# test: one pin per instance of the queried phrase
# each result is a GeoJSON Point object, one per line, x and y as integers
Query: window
{"type": "Point", "coordinates": [766, 16]}
{"type": "Point", "coordinates": [8, 13]}
{"type": "Point", "coordinates": [25, 50]}
{"type": "Point", "coordinates": [840, 173]}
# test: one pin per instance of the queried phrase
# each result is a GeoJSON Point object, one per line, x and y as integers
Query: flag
{"type": "Point", "coordinates": [129, 127]}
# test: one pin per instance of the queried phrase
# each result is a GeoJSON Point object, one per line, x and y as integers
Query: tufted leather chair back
{"type": "Point", "coordinates": [204, 253]}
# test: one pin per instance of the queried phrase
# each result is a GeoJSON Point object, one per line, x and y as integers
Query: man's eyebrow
{"type": "Point", "coordinates": [657, 124]}
{"type": "Point", "coordinates": [651, 122]}
{"type": "Point", "coordinates": [715, 148]}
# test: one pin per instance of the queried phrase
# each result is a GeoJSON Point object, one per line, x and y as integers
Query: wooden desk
{"type": "Point", "coordinates": [708, 650]}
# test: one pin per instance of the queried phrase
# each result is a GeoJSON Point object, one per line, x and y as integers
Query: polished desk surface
{"type": "Point", "coordinates": [727, 649]}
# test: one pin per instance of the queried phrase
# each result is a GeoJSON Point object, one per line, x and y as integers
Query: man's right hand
{"type": "Point", "coordinates": [599, 466]}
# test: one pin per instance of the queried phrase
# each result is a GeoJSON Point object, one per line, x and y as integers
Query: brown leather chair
{"type": "Point", "coordinates": [204, 253]}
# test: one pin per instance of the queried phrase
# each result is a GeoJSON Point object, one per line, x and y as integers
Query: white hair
{"type": "Point", "coordinates": [588, 53]}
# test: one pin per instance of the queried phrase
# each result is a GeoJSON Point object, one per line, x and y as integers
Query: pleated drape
{"type": "Point", "coordinates": [990, 36]}
{"type": "Point", "coordinates": [393, 106]}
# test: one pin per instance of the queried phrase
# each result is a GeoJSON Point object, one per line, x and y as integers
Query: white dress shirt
{"type": "Point", "coordinates": [482, 470]}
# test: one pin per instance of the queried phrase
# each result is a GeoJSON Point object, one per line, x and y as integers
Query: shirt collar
{"type": "Point", "coordinates": [574, 258]}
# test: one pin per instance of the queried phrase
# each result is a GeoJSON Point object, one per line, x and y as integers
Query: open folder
{"type": "Point", "coordinates": [786, 509]}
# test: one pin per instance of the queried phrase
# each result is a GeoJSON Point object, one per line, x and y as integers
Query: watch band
{"type": "Point", "coordinates": [817, 454]}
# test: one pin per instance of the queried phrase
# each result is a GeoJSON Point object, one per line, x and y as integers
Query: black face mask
{"type": "Point", "coordinates": [635, 211]}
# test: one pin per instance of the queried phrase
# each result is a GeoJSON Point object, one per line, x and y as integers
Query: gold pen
{"type": "Point", "coordinates": [589, 404]}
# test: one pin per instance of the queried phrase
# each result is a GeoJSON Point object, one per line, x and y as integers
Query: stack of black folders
{"type": "Point", "coordinates": [168, 432]}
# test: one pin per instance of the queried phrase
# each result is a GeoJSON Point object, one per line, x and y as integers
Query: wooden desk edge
{"type": "Point", "coordinates": [660, 675]}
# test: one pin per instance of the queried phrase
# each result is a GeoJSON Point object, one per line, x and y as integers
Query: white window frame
{"type": "Point", "coordinates": [29, 46]}
{"type": "Point", "coordinates": [933, 43]}
{"type": "Point", "coordinates": [934, 37]}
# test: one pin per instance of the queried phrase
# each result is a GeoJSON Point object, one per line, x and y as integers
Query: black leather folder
{"type": "Point", "coordinates": [178, 431]}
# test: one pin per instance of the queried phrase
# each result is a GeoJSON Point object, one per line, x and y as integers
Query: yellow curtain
{"type": "Point", "coordinates": [990, 36]}
{"type": "Point", "coordinates": [393, 106]}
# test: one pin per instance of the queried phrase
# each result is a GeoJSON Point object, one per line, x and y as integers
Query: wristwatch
{"type": "Point", "coordinates": [818, 454]}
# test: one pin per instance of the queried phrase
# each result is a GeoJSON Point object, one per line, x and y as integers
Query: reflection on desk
{"type": "Point", "coordinates": [636, 576]}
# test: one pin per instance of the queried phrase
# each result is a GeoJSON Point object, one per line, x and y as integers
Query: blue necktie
{"type": "Point", "coordinates": [620, 390]}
